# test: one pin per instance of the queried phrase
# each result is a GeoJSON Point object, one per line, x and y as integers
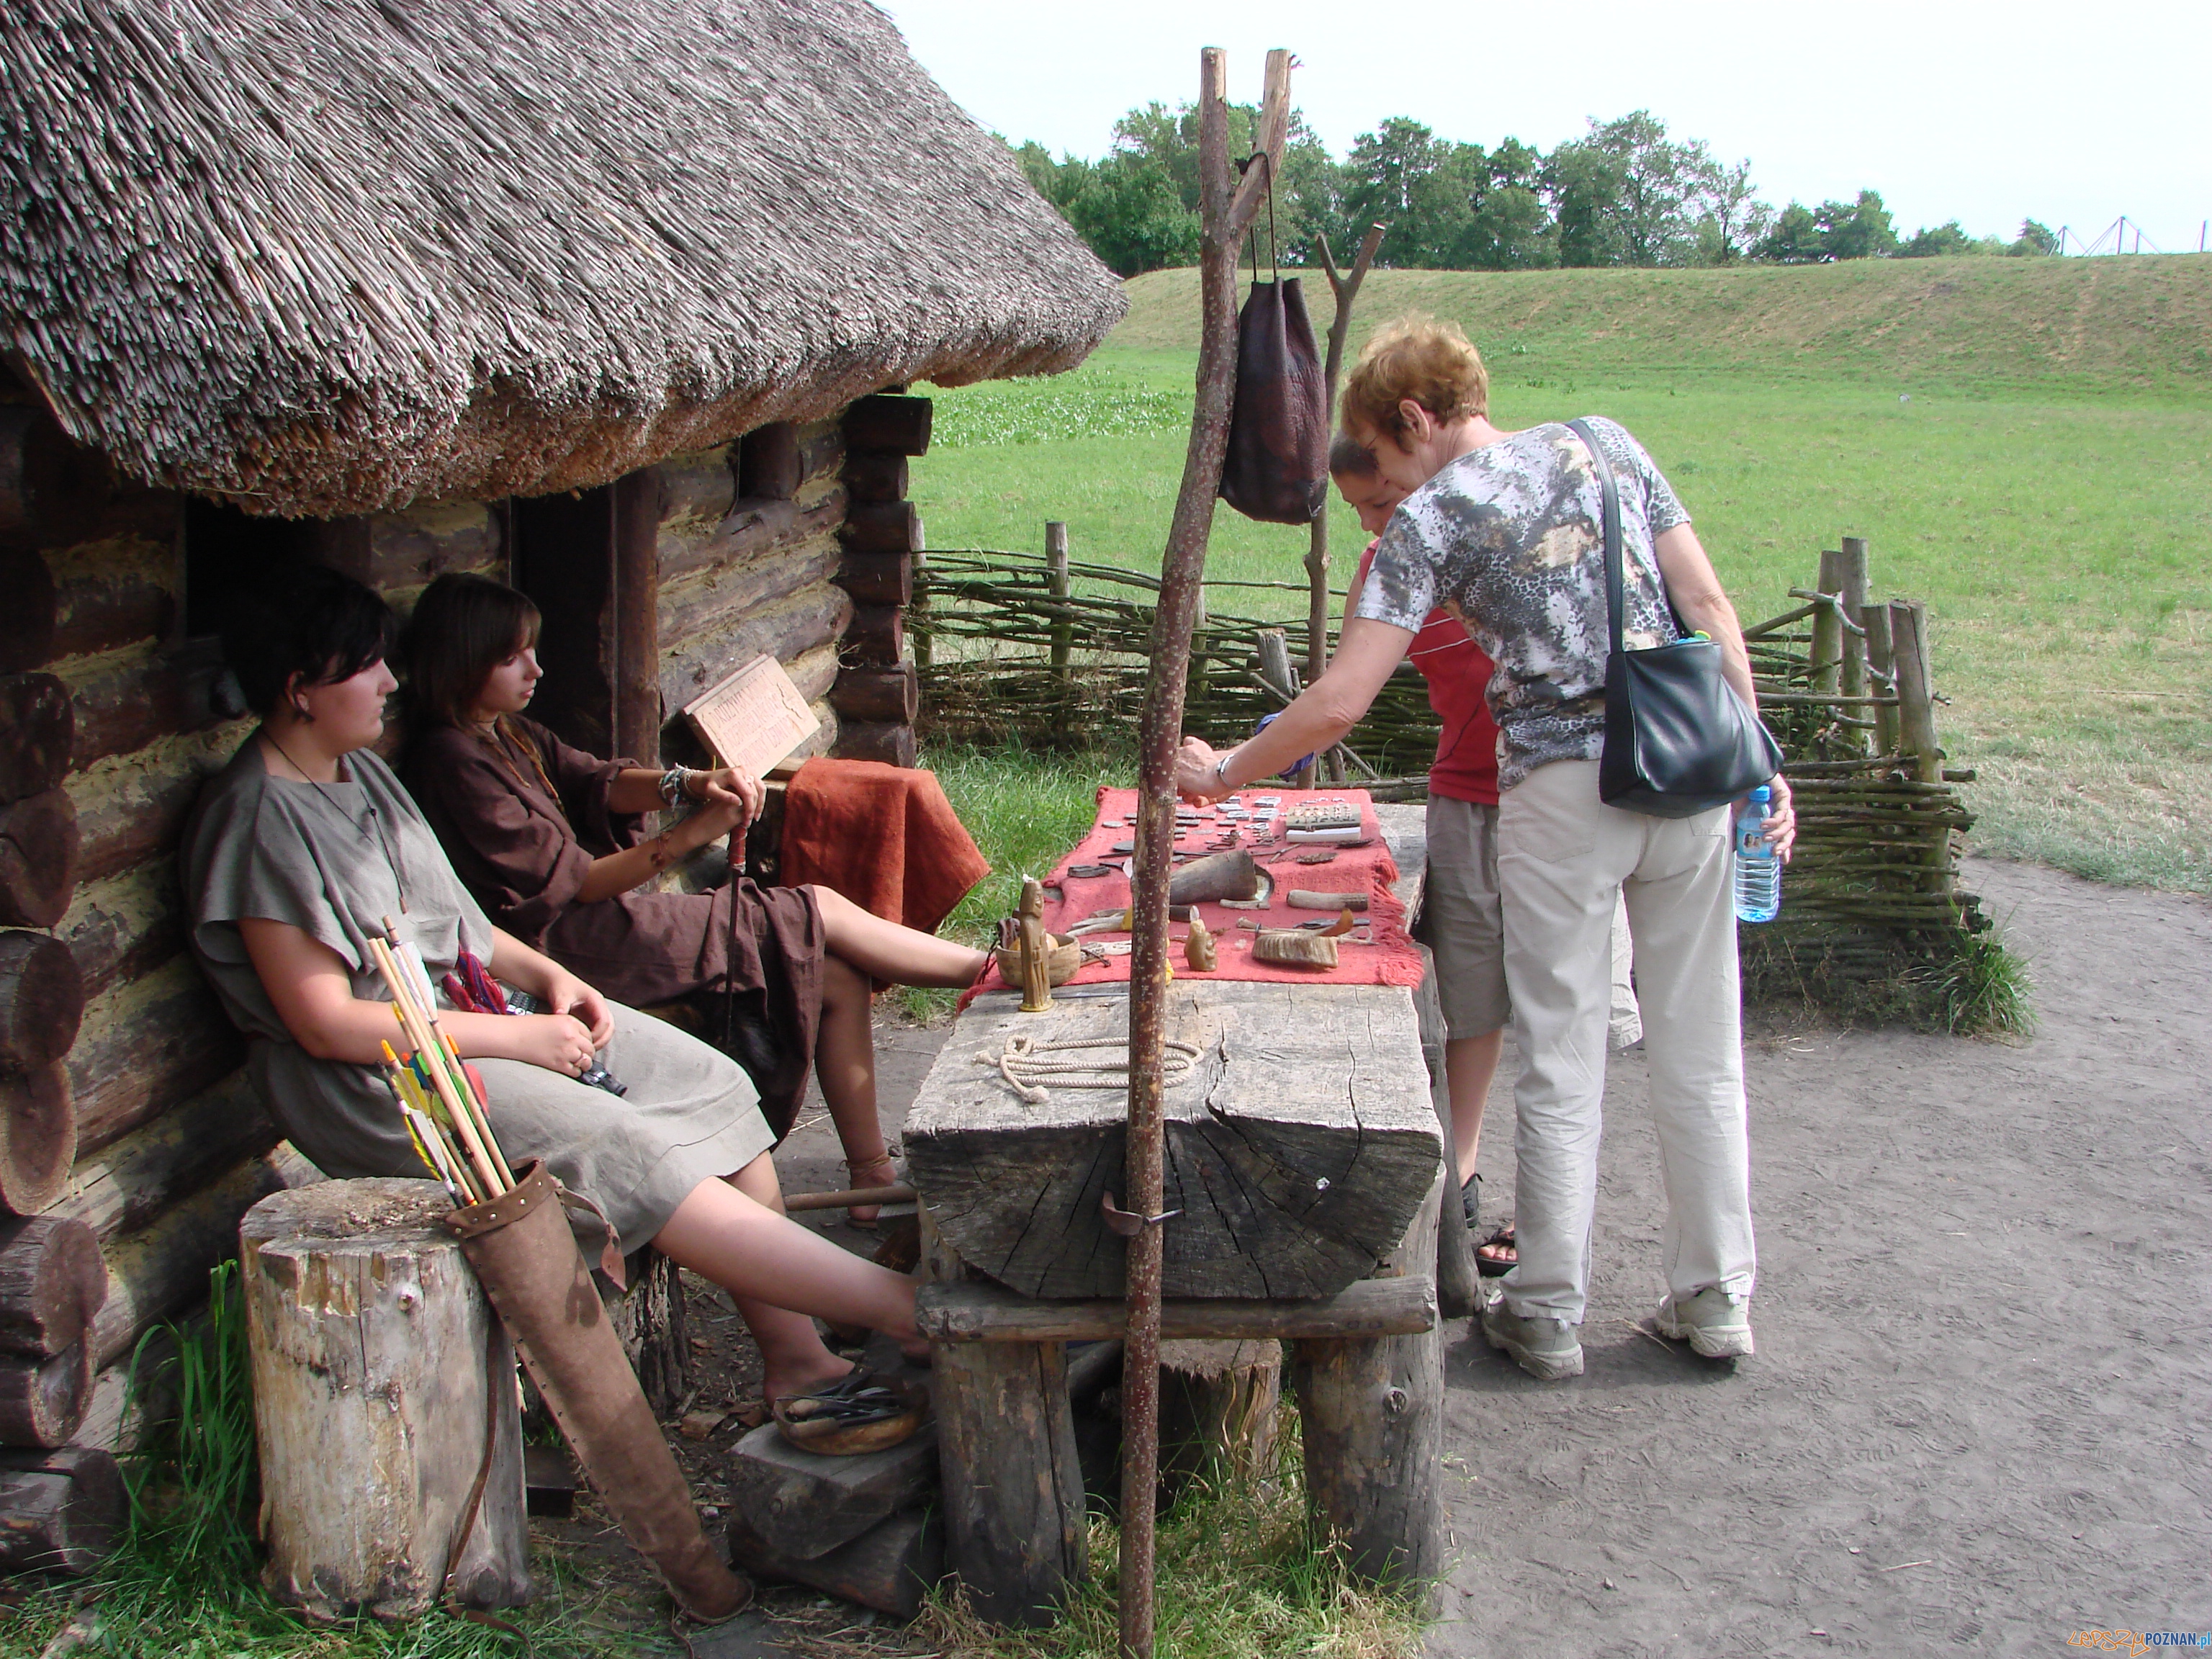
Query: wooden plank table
{"type": "Point", "coordinates": [1305, 1160]}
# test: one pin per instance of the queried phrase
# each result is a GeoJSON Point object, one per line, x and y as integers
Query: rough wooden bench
{"type": "Point", "coordinates": [1304, 1154]}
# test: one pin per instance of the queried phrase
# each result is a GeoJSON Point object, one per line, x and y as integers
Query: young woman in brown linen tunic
{"type": "Point", "coordinates": [305, 842]}
{"type": "Point", "coordinates": [549, 840]}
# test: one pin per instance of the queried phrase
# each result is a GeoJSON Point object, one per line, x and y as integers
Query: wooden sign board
{"type": "Point", "coordinates": [753, 717]}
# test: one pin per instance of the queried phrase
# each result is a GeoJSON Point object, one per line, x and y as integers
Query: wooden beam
{"type": "Point", "coordinates": [38, 729]}
{"type": "Point", "coordinates": [991, 1312]}
{"type": "Point", "coordinates": [770, 466]}
{"type": "Point", "coordinates": [876, 475]}
{"type": "Point", "coordinates": [39, 847]}
{"type": "Point", "coordinates": [38, 1139]}
{"type": "Point", "coordinates": [900, 425]}
{"type": "Point", "coordinates": [891, 743]}
{"type": "Point", "coordinates": [882, 527]}
{"type": "Point", "coordinates": [877, 577]}
{"type": "Point", "coordinates": [28, 617]}
{"type": "Point", "coordinates": [876, 637]}
{"type": "Point", "coordinates": [60, 1511]}
{"type": "Point", "coordinates": [889, 695]}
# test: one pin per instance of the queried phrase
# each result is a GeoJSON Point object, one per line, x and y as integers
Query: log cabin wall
{"type": "Point", "coordinates": [877, 694]}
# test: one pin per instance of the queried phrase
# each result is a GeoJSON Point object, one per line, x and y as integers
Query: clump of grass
{"type": "Point", "coordinates": [1984, 989]}
{"type": "Point", "coordinates": [185, 1583]}
{"type": "Point", "coordinates": [1025, 808]}
{"type": "Point", "coordinates": [1239, 1573]}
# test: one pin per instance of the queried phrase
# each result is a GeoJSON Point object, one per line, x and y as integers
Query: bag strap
{"type": "Point", "coordinates": [1611, 494]}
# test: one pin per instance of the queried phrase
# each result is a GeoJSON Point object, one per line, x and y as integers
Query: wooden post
{"type": "Point", "coordinates": [1916, 702]}
{"type": "Point", "coordinates": [1880, 666]}
{"type": "Point", "coordinates": [1828, 648]}
{"type": "Point", "coordinates": [1852, 574]}
{"type": "Point", "coordinates": [1226, 208]}
{"type": "Point", "coordinates": [376, 1358]}
{"type": "Point", "coordinates": [637, 617]}
{"type": "Point", "coordinates": [1012, 1481]}
{"type": "Point", "coordinates": [1346, 290]}
{"type": "Point", "coordinates": [1217, 1409]}
{"type": "Point", "coordinates": [1371, 1411]}
{"type": "Point", "coordinates": [1062, 588]}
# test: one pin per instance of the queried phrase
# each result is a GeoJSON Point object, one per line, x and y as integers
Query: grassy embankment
{"type": "Point", "coordinates": [2027, 444]}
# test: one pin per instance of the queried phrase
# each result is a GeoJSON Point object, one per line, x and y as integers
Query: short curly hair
{"type": "Point", "coordinates": [1421, 358]}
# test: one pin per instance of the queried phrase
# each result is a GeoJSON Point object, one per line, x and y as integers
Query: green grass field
{"type": "Point", "coordinates": [2056, 517]}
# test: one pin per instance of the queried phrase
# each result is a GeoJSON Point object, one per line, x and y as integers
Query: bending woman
{"type": "Point", "coordinates": [547, 839]}
{"type": "Point", "coordinates": [299, 849]}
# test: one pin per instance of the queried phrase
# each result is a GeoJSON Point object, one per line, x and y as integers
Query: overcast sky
{"type": "Point", "coordinates": [1987, 113]}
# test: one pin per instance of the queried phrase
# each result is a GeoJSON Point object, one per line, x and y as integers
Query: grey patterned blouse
{"type": "Point", "coordinates": [1510, 537]}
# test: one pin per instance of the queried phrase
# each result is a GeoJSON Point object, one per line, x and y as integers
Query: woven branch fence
{"type": "Point", "coordinates": [1052, 653]}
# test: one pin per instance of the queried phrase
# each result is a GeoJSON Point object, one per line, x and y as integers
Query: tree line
{"type": "Point", "coordinates": [1625, 193]}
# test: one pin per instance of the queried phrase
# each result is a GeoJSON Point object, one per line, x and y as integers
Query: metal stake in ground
{"type": "Point", "coordinates": [1226, 208]}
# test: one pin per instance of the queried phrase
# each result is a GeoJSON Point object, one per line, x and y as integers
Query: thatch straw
{"type": "Point", "coordinates": [331, 258]}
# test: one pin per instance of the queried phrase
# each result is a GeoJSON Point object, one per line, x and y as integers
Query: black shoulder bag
{"type": "Point", "coordinates": [1678, 739]}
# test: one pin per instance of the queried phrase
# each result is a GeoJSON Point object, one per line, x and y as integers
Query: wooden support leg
{"type": "Point", "coordinates": [1373, 1428]}
{"type": "Point", "coordinates": [1218, 1408]}
{"type": "Point", "coordinates": [1458, 1280]}
{"type": "Point", "coordinates": [1013, 1489]}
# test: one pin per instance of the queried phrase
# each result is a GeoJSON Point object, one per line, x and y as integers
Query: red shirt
{"type": "Point", "coordinates": [1458, 674]}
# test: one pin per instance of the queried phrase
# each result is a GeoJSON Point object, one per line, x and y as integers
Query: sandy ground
{"type": "Point", "coordinates": [1976, 1418]}
{"type": "Point", "coordinates": [1976, 1421]}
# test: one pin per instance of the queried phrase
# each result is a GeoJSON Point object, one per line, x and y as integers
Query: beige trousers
{"type": "Point", "coordinates": [1564, 861]}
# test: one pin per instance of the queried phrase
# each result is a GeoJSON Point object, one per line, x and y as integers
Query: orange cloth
{"type": "Point", "coordinates": [885, 837]}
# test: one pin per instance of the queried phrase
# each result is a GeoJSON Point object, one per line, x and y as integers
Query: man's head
{"type": "Point", "coordinates": [1361, 483]}
{"type": "Point", "coordinates": [1417, 398]}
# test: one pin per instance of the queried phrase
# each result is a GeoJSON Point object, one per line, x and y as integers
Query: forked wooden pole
{"type": "Point", "coordinates": [1226, 208]}
{"type": "Point", "coordinates": [1345, 289]}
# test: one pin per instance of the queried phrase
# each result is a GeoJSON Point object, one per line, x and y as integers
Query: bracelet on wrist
{"type": "Point", "coordinates": [1221, 773]}
{"type": "Point", "coordinates": [675, 786]}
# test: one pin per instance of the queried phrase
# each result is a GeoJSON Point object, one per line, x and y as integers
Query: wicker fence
{"type": "Point", "coordinates": [1054, 653]}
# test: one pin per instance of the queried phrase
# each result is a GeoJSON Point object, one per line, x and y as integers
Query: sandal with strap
{"type": "Point", "coordinates": [865, 1215]}
{"type": "Point", "coordinates": [1496, 1255]}
{"type": "Point", "coordinates": [864, 1411]}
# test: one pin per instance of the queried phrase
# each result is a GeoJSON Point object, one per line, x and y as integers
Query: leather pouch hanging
{"type": "Point", "coordinates": [1678, 739]}
{"type": "Point", "coordinates": [1276, 469]}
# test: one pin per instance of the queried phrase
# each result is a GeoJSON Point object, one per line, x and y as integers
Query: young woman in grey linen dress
{"type": "Point", "coordinates": [305, 842]}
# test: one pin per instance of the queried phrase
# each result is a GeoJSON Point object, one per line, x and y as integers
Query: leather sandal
{"type": "Point", "coordinates": [1496, 1255]}
{"type": "Point", "coordinates": [864, 1411]}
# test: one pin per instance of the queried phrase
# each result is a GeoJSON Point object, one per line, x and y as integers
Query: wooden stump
{"type": "Point", "coordinates": [1372, 1421]}
{"type": "Point", "coordinates": [656, 1333]}
{"type": "Point", "coordinates": [802, 1505]}
{"type": "Point", "coordinates": [1298, 1145]}
{"type": "Point", "coordinates": [1218, 1403]}
{"type": "Point", "coordinates": [376, 1360]}
{"type": "Point", "coordinates": [60, 1512]}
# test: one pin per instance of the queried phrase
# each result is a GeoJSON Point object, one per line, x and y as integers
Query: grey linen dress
{"type": "Point", "coordinates": [322, 858]}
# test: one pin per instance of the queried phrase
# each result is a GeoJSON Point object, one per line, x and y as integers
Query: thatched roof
{"type": "Point", "coordinates": [330, 256]}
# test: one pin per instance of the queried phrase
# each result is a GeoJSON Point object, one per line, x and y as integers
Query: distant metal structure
{"type": "Point", "coordinates": [2115, 238]}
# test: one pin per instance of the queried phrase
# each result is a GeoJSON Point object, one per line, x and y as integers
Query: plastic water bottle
{"type": "Point", "coordinates": [1758, 871]}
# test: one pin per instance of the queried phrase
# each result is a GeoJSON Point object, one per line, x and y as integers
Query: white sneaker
{"type": "Point", "coordinates": [1547, 1349]}
{"type": "Point", "coordinates": [1714, 1326]}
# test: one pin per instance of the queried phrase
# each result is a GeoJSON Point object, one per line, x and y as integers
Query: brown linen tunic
{"type": "Point", "coordinates": [522, 851]}
{"type": "Point", "coordinates": [322, 858]}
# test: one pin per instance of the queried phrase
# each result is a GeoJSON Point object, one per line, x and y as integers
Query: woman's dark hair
{"type": "Point", "coordinates": [306, 620]}
{"type": "Point", "coordinates": [1348, 457]}
{"type": "Point", "coordinates": [462, 627]}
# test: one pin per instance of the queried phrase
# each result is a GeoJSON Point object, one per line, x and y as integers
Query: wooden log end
{"type": "Point", "coordinates": [37, 728]}
{"type": "Point", "coordinates": [60, 1511]}
{"type": "Point", "coordinates": [891, 743]}
{"type": "Point", "coordinates": [42, 1401]}
{"type": "Point", "coordinates": [877, 577]}
{"type": "Point", "coordinates": [891, 695]}
{"type": "Point", "coordinates": [770, 466]}
{"type": "Point", "coordinates": [38, 1139]}
{"type": "Point", "coordinates": [881, 528]}
{"type": "Point", "coordinates": [898, 424]}
{"type": "Point", "coordinates": [41, 1002]}
{"type": "Point", "coordinates": [39, 846]}
{"type": "Point", "coordinates": [876, 475]}
{"type": "Point", "coordinates": [53, 1280]}
{"type": "Point", "coordinates": [875, 638]}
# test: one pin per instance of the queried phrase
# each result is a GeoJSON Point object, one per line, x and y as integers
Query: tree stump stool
{"type": "Point", "coordinates": [383, 1390]}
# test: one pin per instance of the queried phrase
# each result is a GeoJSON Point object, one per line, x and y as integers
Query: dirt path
{"type": "Point", "coordinates": [1976, 1421]}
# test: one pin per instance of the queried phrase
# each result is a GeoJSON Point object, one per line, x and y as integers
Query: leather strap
{"type": "Point", "coordinates": [469, 1510]}
{"type": "Point", "coordinates": [1611, 491]}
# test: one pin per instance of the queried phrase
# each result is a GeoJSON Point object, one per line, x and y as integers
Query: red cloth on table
{"type": "Point", "coordinates": [1393, 959]}
{"type": "Point", "coordinates": [885, 837]}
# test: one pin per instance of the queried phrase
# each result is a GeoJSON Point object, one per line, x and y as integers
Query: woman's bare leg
{"type": "Point", "coordinates": [845, 1065]}
{"type": "Point", "coordinates": [1469, 1065]}
{"type": "Point", "coordinates": [884, 949]}
{"type": "Point", "coordinates": [734, 1233]}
